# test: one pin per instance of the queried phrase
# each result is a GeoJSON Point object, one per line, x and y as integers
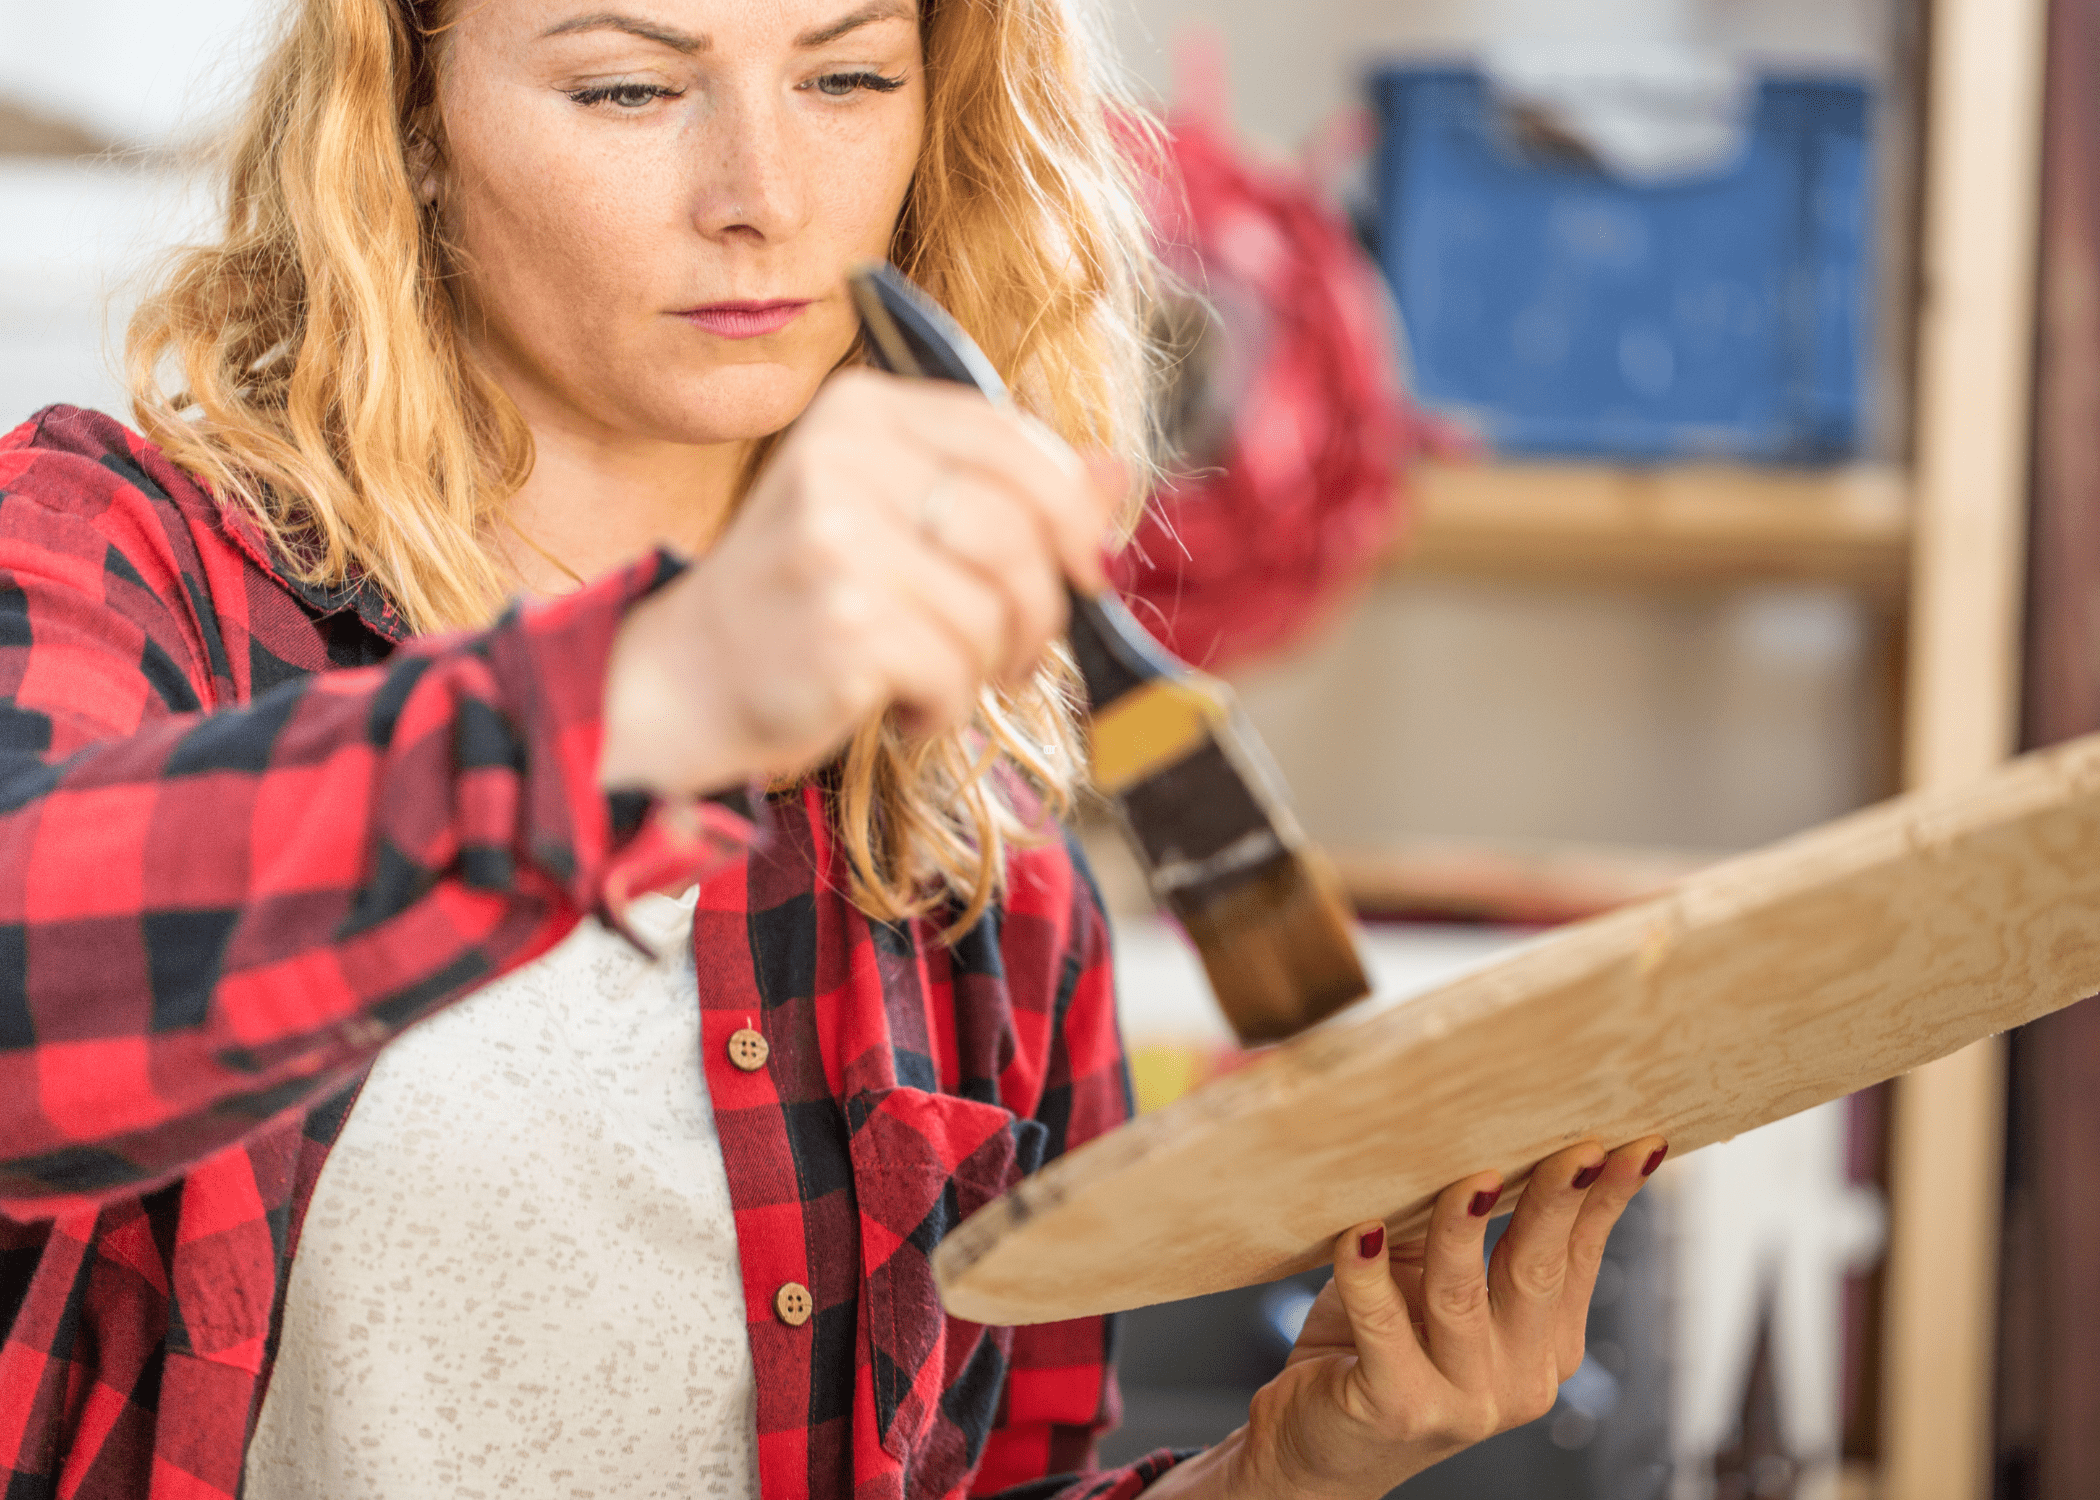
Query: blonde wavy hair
{"type": "Point", "coordinates": [311, 366]}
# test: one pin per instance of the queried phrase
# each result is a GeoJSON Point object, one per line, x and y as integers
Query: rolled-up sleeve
{"type": "Point", "coordinates": [214, 914]}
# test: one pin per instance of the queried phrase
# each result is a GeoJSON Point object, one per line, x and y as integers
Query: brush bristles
{"type": "Point", "coordinates": [1280, 950]}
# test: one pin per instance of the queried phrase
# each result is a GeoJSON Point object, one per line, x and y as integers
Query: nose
{"type": "Point", "coordinates": [750, 184]}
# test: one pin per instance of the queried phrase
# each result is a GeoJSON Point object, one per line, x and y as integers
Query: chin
{"type": "Point", "coordinates": [728, 403]}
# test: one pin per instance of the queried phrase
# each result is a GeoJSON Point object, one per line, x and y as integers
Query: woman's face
{"type": "Point", "coordinates": [656, 201]}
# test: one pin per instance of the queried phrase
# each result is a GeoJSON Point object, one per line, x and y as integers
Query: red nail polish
{"type": "Point", "coordinates": [1656, 1160]}
{"type": "Point", "coordinates": [1372, 1245]}
{"type": "Point", "coordinates": [1484, 1202]}
{"type": "Point", "coordinates": [1588, 1175]}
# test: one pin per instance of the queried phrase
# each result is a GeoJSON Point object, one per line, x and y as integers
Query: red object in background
{"type": "Point", "coordinates": [1289, 504]}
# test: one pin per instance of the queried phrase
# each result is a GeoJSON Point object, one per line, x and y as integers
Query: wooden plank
{"type": "Point", "coordinates": [2049, 1374]}
{"type": "Point", "coordinates": [1946, 1164]}
{"type": "Point", "coordinates": [2062, 670]}
{"type": "Point", "coordinates": [1975, 348]}
{"type": "Point", "coordinates": [1697, 525]}
{"type": "Point", "coordinates": [1975, 344]}
{"type": "Point", "coordinates": [1755, 989]}
{"type": "Point", "coordinates": [2048, 1379]}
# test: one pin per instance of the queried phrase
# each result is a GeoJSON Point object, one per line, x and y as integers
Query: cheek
{"type": "Point", "coordinates": [861, 177]}
{"type": "Point", "coordinates": [542, 218]}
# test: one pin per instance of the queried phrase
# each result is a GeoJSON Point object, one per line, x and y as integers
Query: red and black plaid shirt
{"type": "Point", "coordinates": [248, 833]}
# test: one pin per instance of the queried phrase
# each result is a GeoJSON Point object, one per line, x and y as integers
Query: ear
{"type": "Point", "coordinates": [425, 168]}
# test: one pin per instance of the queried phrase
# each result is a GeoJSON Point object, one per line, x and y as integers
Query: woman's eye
{"type": "Point", "coordinates": [623, 95]}
{"type": "Point", "coordinates": [841, 85]}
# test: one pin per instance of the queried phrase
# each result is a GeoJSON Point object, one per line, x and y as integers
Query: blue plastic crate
{"type": "Point", "coordinates": [1569, 312]}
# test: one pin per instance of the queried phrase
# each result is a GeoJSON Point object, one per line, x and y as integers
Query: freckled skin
{"type": "Point", "coordinates": [585, 227]}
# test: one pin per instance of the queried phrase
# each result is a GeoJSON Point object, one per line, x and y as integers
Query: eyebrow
{"type": "Point", "coordinates": [867, 15]}
{"type": "Point", "coordinates": [686, 42]}
{"type": "Point", "coordinates": [650, 31]}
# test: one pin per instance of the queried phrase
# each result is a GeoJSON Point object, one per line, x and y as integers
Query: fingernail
{"type": "Point", "coordinates": [1588, 1175]}
{"type": "Point", "coordinates": [1484, 1202]}
{"type": "Point", "coordinates": [1372, 1245]}
{"type": "Point", "coordinates": [1656, 1160]}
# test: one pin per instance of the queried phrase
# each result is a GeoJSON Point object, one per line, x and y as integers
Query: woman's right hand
{"type": "Point", "coordinates": [908, 544]}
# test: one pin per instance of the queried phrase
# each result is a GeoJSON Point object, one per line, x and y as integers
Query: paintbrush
{"type": "Point", "coordinates": [1200, 802]}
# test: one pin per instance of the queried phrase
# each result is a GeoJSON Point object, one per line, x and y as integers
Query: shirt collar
{"type": "Point", "coordinates": [357, 594]}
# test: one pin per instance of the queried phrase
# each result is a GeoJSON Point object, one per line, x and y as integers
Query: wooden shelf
{"type": "Point", "coordinates": [1691, 525]}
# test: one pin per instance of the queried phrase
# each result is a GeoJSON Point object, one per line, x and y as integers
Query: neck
{"type": "Point", "coordinates": [596, 501]}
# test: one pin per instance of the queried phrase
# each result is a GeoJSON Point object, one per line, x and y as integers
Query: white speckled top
{"type": "Point", "coordinates": [519, 1273]}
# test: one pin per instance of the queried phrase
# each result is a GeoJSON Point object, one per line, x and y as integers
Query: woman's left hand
{"type": "Point", "coordinates": [1414, 1352]}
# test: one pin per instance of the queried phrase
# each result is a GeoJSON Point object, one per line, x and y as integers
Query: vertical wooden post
{"type": "Point", "coordinates": [2049, 1344]}
{"type": "Point", "coordinates": [1975, 358]}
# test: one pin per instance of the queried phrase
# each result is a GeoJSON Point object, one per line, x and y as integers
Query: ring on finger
{"type": "Point", "coordinates": [935, 506]}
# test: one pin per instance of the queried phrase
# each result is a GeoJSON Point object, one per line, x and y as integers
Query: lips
{"type": "Point", "coordinates": [745, 320]}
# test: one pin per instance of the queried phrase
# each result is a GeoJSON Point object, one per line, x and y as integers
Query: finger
{"type": "Point", "coordinates": [981, 527]}
{"type": "Point", "coordinates": [968, 607]}
{"type": "Point", "coordinates": [1390, 1358]}
{"type": "Point", "coordinates": [1624, 1173]}
{"type": "Point", "coordinates": [1040, 470]}
{"type": "Point", "coordinates": [1115, 489]}
{"type": "Point", "coordinates": [1455, 1305]}
{"type": "Point", "coordinates": [1110, 482]}
{"type": "Point", "coordinates": [931, 676]}
{"type": "Point", "coordinates": [902, 568]}
{"type": "Point", "coordinates": [1111, 478]}
{"type": "Point", "coordinates": [1528, 1272]}
{"type": "Point", "coordinates": [1409, 1280]}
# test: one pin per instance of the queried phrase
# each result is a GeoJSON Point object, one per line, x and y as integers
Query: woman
{"type": "Point", "coordinates": [342, 1155]}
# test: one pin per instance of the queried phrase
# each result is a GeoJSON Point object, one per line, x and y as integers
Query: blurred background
{"type": "Point", "coordinates": [1611, 436]}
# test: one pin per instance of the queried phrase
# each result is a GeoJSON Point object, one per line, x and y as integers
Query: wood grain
{"type": "Point", "coordinates": [1753, 990]}
{"type": "Point", "coordinates": [1973, 445]}
{"type": "Point", "coordinates": [1976, 355]}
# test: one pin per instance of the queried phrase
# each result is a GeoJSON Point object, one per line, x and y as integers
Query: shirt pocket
{"type": "Point", "coordinates": [922, 1163]}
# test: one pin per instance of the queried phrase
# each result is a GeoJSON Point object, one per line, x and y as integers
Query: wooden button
{"type": "Point", "coordinates": [363, 1031]}
{"type": "Point", "coordinates": [794, 1304]}
{"type": "Point", "coordinates": [748, 1050]}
